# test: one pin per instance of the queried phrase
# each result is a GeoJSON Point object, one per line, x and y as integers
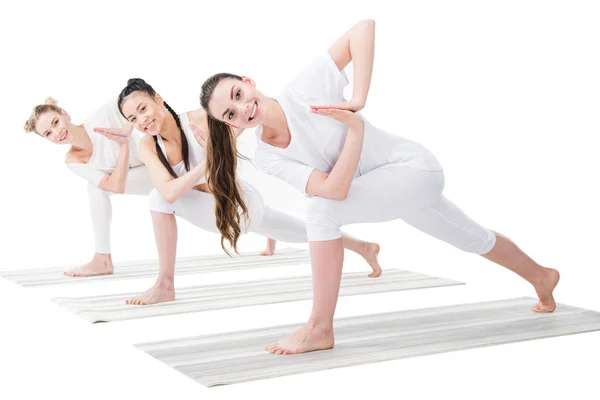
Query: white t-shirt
{"type": "Point", "coordinates": [196, 152]}
{"type": "Point", "coordinates": [317, 141]}
{"type": "Point", "coordinates": [105, 152]}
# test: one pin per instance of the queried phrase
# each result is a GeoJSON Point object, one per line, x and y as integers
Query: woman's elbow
{"type": "Point", "coordinates": [335, 194]}
{"type": "Point", "coordinates": [117, 189]}
{"type": "Point", "coordinates": [169, 198]}
{"type": "Point", "coordinates": [368, 23]}
{"type": "Point", "coordinates": [340, 196]}
{"type": "Point", "coordinates": [166, 192]}
{"type": "Point", "coordinates": [120, 188]}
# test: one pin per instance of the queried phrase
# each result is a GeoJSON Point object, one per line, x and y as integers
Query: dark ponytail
{"type": "Point", "coordinates": [185, 149]}
{"type": "Point", "coordinates": [221, 167]}
{"type": "Point", "coordinates": [139, 85]}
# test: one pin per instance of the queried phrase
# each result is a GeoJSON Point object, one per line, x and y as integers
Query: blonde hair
{"type": "Point", "coordinates": [36, 113]}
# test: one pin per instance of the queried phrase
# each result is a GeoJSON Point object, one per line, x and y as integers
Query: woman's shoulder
{"type": "Point", "coordinates": [147, 143]}
{"type": "Point", "coordinates": [198, 117]}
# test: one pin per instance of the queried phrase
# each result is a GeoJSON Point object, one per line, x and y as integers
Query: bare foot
{"type": "Point", "coordinates": [156, 294]}
{"type": "Point", "coordinates": [270, 250]}
{"type": "Point", "coordinates": [370, 254]}
{"type": "Point", "coordinates": [544, 292]}
{"type": "Point", "coordinates": [304, 340]}
{"type": "Point", "coordinates": [94, 267]}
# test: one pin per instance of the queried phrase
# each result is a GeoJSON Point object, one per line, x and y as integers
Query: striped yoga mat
{"type": "Point", "coordinates": [243, 294]}
{"type": "Point", "coordinates": [149, 268]}
{"type": "Point", "coordinates": [228, 358]}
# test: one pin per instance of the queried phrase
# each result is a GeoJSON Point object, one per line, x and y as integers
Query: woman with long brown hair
{"type": "Point", "coordinates": [311, 137]}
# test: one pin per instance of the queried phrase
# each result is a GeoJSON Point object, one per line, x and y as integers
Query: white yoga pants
{"type": "Point", "coordinates": [198, 208]}
{"type": "Point", "coordinates": [138, 183]}
{"type": "Point", "coordinates": [393, 192]}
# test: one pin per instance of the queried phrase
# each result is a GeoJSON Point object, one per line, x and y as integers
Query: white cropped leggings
{"type": "Point", "coordinates": [407, 193]}
{"type": "Point", "coordinates": [138, 183]}
{"type": "Point", "coordinates": [198, 208]}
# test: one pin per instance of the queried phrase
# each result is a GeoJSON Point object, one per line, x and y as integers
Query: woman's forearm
{"type": "Point", "coordinates": [172, 190]}
{"type": "Point", "coordinates": [338, 182]}
{"type": "Point", "coordinates": [118, 178]}
{"type": "Point", "coordinates": [362, 53]}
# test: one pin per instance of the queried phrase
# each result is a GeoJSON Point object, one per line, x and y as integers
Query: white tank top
{"type": "Point", "coordinates": [196, 152]}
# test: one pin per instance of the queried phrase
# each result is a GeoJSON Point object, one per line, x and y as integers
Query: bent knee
{"type": "Point", "coordinates": [157, 203]}
{"type": "Point", "coordinates": [483, 246]}
{"type": "Point", "coordinates": [321, 223]}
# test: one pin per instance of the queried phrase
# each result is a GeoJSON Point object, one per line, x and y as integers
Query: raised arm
{"type": "Point", "coordinates": [357, 45]}
{"type": "Point", "coordinates": [170, 188]}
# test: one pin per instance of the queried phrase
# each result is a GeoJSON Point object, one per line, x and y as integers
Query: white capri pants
{"type": "Point", "coordinates": [138, 183]}
{"type": "Point", "coordinates": [393, 192]}
{"type": "Point", "coordinates": [198, 208]}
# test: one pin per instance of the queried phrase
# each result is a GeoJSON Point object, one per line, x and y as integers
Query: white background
{"type": "Point", "coordinates": [505, 93]}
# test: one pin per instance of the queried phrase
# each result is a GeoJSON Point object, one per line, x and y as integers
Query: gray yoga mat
{"type": "Point", "coordinates": [228, 358]}
{"type": "Point", "coordinates": [242, 294]}
{"type": "Point", "coordinates": [149, 268]}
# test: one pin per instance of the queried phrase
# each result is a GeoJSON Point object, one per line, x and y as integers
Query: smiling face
{"type": "Point", "coordinates": [55, 126]}
{"type": "Point", "coordinates": [146, 112]}
{"type": "Point", "coordinates": [238, 103]}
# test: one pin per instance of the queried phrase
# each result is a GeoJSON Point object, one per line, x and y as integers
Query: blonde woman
{"type": "Point", "coordinates": [109, 163]}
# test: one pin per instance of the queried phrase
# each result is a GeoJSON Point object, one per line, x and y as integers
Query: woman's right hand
{"type": "Point", "coordinates": [199, 135]}
{"type": "Point", "coordinates": [119, 135]}
{"type": "Point", "coordinates": [350, 118]}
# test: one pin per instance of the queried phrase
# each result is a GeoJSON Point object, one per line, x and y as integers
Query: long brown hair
{"type": "Point", "coordinates": [221, 167]}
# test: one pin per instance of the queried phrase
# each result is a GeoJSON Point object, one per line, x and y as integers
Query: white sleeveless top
{"type": "Point", "coordinates": [196, 152]}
